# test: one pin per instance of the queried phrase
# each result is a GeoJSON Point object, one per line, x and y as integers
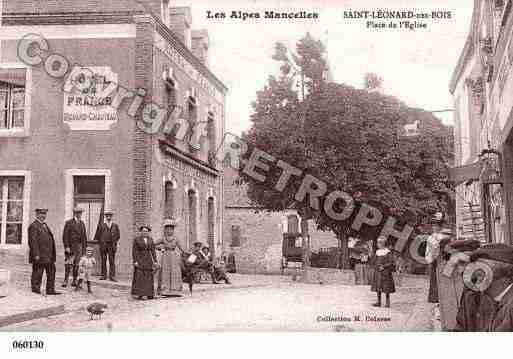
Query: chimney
{"type": "Point", "coordinates": [180, 23]}
{"type": "Point", "coordinates": [200, 43]}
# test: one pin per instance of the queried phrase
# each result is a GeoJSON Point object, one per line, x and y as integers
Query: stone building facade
{"type": "Point", "coordinates": [63, 147]}
{"type": "Point", "coordinates": [481, 86]}
{"type": "Point", "coordinates": [255, 236]}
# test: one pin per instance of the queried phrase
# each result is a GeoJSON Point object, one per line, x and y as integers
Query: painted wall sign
{"type": "Point", "coordinates": [89, 109]}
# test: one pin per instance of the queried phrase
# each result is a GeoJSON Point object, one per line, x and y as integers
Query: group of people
{"type": "Point", "coordinates": [486, 270]}
{"type": "Point", "coordinates": [163, 260]}
{"type": "Point", "coordinates": [79, 259]}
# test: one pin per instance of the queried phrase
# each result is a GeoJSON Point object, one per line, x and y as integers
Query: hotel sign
{"type": "Point", "coordinates": [90, 109]}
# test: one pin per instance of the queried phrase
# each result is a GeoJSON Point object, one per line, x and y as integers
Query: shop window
{"type": "Point", "coordinates": [235, 236]}
{"type": "Point", "coordinates": [12, 99]}
{"type": "Point", "coordinates": [89, 194]}
{"type": "Point", "coordinates": [11, 210]}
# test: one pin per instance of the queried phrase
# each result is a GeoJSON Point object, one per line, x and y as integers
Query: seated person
{"type": "Point", "coordinates": [219, 270]}
{"type": "Point", "coordinates": [202, 261]}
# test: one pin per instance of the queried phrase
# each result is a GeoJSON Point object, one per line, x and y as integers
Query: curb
{"type": "Point", "coordinates": [31, 315]}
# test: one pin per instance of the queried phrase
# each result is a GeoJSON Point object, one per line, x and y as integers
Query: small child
{"type": "Point", "coordinates": [384, 266]}
{"type": "Point", "coordinates": [85, 269]}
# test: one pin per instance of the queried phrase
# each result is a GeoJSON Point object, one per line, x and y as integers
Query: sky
{"type": "Point", "coordinates": [416, 65]}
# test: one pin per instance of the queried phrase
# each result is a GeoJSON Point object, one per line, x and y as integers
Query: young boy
{"type": "Point", "coordinates": [85, 269]}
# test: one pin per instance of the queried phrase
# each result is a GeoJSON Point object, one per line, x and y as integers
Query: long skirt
{"type": "Point", "coordinates": [433, 283]}
{"type": "Point", "coordinates": [171, 274]}
{"type": "Point", "coordinates": [142, 283]}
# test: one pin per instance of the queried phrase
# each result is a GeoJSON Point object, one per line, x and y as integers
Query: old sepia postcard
{"type": "Point", "coordinates": [255, 166]}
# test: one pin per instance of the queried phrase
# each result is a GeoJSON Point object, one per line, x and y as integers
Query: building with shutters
{"type": "Point", "coordinates": [62, 148]}
{"type": "Point", "coordinates": [481, 84]}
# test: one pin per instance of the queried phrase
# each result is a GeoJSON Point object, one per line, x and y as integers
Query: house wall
{"type": "Point", "coordinates": [52, 148]}
{"type": "Point", "coordinates": [260, 249]}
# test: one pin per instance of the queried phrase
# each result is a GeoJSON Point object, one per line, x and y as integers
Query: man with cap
{"type": "Point", "coordinates": [107, 236]}
{"type": "Point", "coordinates": [42, 253]}
{"type": "Point", "coordinates": [74, 238]}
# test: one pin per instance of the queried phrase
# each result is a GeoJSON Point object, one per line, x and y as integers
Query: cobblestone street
{"type": "Point", "coordinates": [276, 305]}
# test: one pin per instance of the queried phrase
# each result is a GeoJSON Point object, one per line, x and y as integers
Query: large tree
{"type": "Point", "coordinates": [351, 139]}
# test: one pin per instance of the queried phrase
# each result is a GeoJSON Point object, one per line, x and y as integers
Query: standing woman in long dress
{"type": "Point", "coordinates": [170, 281]}
{"type": "Point", "coordinates": [144, 259]}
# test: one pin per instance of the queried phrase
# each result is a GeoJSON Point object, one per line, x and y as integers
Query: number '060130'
{"type": "Point", "coordinates": [27, 344]}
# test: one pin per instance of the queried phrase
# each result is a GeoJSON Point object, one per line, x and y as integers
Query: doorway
{"type": "Point", "coordinates": [89, 195]}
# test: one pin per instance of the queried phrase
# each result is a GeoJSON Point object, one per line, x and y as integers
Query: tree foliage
{"type": "Point", "coordinates": [355, 142]}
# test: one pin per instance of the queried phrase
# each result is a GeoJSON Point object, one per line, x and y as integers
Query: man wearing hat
{"type": "Point", "coordinates": [42, 254]}
{"type": "Point", "coordinates": [107, 236]}
{"type": "Point", "coordinates": [203, 262]}
{"type": "Point", "coordinates": [74, 238]}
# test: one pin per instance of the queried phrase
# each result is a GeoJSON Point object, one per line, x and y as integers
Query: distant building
{"type": "Point", "coordinates": [255, 236]}
{"type": "Point", "coordinates": [64, 149]}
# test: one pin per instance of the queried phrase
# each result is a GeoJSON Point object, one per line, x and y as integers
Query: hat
{"type": "Point", "coordinates": [148, 228]}
{"type": "Point", "coordinates": [108, 211]}
{"type": "Point", "coordinates": [196, 244]}
{"type": "Point", "coordinates": [170, 222]}
{"type": "Point", "coordinates": [497, 252]}
{"type": "Point", "coordinates": [41, 210]}
{"type": "Point", "coordinates": [77, 210]}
